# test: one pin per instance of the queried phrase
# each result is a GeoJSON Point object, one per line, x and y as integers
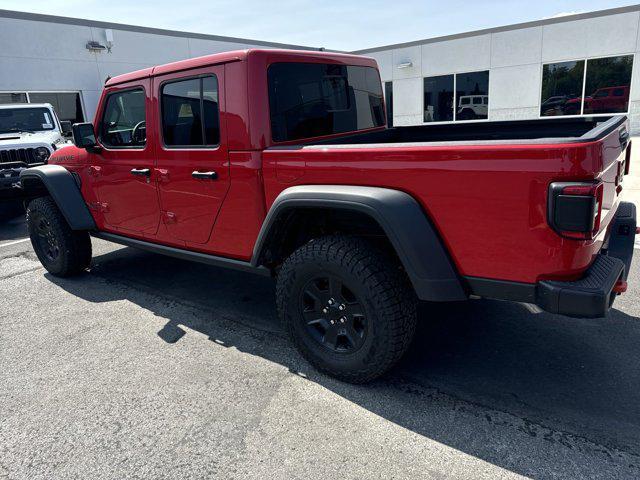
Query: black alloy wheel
{"type": "Point", "coordinates": [46, 239]}
{"type": "Point", "coordinates": [333, 315]}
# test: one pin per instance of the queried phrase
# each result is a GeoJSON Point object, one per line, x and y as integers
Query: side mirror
{"type": "Point", "coordinates": [65, 125]}
{"type": "Point", "coordinates": [84, 136]}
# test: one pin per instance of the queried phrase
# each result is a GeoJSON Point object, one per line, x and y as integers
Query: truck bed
{"type": "Point", "coordinates": [484, 185]}
{"type": "Point", "coordinates": [549, 130]}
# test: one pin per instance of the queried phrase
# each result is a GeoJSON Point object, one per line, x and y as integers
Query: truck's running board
{"type": "Point", "coordinates": [183, 254]}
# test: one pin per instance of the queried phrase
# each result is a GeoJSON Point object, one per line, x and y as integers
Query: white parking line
{"type": "Point", "coordinates": [15, 242]}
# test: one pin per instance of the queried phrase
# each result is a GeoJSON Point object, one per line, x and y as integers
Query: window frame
{"type": "Point", "coordinates": [200, 77]}
{"type": "Point", "coordinates": [99, 137]}
{"type": "Point", "coordinates": [584, 86]}
{"type": "Point", "coordinates": [455, 86]}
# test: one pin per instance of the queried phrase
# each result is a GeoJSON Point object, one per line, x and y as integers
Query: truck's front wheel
{"type": "Point", "coordinates": [348, 307]}
{"type": "Point", "coordinates": [62, 251]}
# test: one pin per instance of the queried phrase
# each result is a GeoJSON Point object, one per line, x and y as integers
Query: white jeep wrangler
{"type": "Point", "coordinates": [29, 133]}
{"type": "Point", "coordinates": [471, 107]}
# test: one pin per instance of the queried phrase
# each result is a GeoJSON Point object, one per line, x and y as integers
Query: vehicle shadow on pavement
{"type": "Point", "coordinates": [12, 221]}
{"type": "Point", "coordinates": [545, 375]}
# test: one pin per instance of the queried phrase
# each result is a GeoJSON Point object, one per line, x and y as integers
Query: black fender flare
{"type": "Point", "coordinates": [401, 217]}
{"type": "Point", "coordinates": [64, 190]}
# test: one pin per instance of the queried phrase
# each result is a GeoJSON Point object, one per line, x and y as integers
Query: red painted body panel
{"type": "Point", "coordinates": [487, 201]}
{"type": "Point", "coordinates": [190, 206]}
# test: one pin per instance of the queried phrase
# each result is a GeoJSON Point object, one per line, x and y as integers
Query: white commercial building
{"type": "Point", "coordinates": [580, 64]}
{"type": "Point", "coordinates": [571, 65]}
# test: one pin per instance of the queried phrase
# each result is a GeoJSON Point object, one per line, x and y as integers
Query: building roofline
{"type": "Point", "coordinates": [506, 28]}
{"type": "Point", "coordinates": [39, 17]}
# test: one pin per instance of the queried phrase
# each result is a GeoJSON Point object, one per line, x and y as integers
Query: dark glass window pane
{"type": "Point", "coordinates": [388, 95]}
{"type": "Point", "coordinates": [211, 110]}
{"type": "Point", "coordinates": [66, 104]}
{"type": "Point", "coordinates": [562, 88]}
{"type": "Point", "coordinates": [19, 97]}
{"type": "Point", "coordinates": [21, 119]}
{"type": "Point", "coordinates": [438, 98]}
{"type": "Point", "coordinates": [123, 121]}
{"type": "Point", "coordinates": [311, 100]}
{"type": "Point", "coordinates": [607, 84]}
{"type": "Point", "coordinates": [471, 91]}
{"type": "Point", "coordinates": [181, 115]}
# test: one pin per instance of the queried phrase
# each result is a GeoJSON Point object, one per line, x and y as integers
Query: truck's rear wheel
{"type": "Point", "coordinates": [62, 251]}
{"type": "Point", "coordinates": [348, 307]}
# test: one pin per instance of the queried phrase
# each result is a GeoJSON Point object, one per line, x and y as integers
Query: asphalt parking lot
{"type": "Point", "coordinates": [151, 367]}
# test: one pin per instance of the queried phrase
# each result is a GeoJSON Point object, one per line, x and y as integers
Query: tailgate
{"type": "Point", "coordinates": [615, 157]}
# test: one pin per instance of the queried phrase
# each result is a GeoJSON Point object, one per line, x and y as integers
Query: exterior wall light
{"type": "Point", "coordinates": [94, 46]}
{"type": "Point", "coordinates": [406, 64]}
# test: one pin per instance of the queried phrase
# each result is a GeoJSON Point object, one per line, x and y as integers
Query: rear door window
{"type": "Point", "coordinates": [190, 116]}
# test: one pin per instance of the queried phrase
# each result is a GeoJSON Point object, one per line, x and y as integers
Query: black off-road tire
{"type": "Point", "coordinates": [62, 251]}
{"type": "Point", "coordinates": [377, 281]}
{"type": "Point", "coordinates": [466, 114]}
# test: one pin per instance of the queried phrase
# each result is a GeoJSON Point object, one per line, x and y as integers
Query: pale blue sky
{"type": "Point", "coordinates": [334, 24]}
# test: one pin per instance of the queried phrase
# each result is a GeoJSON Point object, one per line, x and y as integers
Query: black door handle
{"type": "Point", "coordinates": [206, 175]}
{"type": "Point", "coordinates": [141, 171]}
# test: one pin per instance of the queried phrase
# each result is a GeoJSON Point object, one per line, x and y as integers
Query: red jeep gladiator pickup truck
{"type": "Point", "coordinates": [280, 163]}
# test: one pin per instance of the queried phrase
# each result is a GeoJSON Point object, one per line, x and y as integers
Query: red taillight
{"type": "Point", "coordinates": [598, 193]}
{"type": "Point", "coordinates": [575, 208]}
{"type": "Point", "coordinates": [578, 189]}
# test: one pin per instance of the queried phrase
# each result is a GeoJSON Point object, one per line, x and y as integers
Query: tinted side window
{"type": "Point", "coordinates": [438, 98]}
{"type": "Point", "coordinates": [473, 83]}
{"type": "Point", "coordinates": [311, 100]}
{"type": "Point", "coordinates": [190, 116]}
{"type": "Point", "coordinates": [602, 75]}
{"type": "Point", "coordinates": [562, 88]}
{"type": "Point", "coordinates": [211, 112]}
{"type": "Point", "coordinates": [17, 97]}
{"type": "Point", "coordinates": [123, 121]}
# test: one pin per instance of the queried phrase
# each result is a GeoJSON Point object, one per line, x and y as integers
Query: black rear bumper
{"type": "Point", "coordinates": [592, 295]}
